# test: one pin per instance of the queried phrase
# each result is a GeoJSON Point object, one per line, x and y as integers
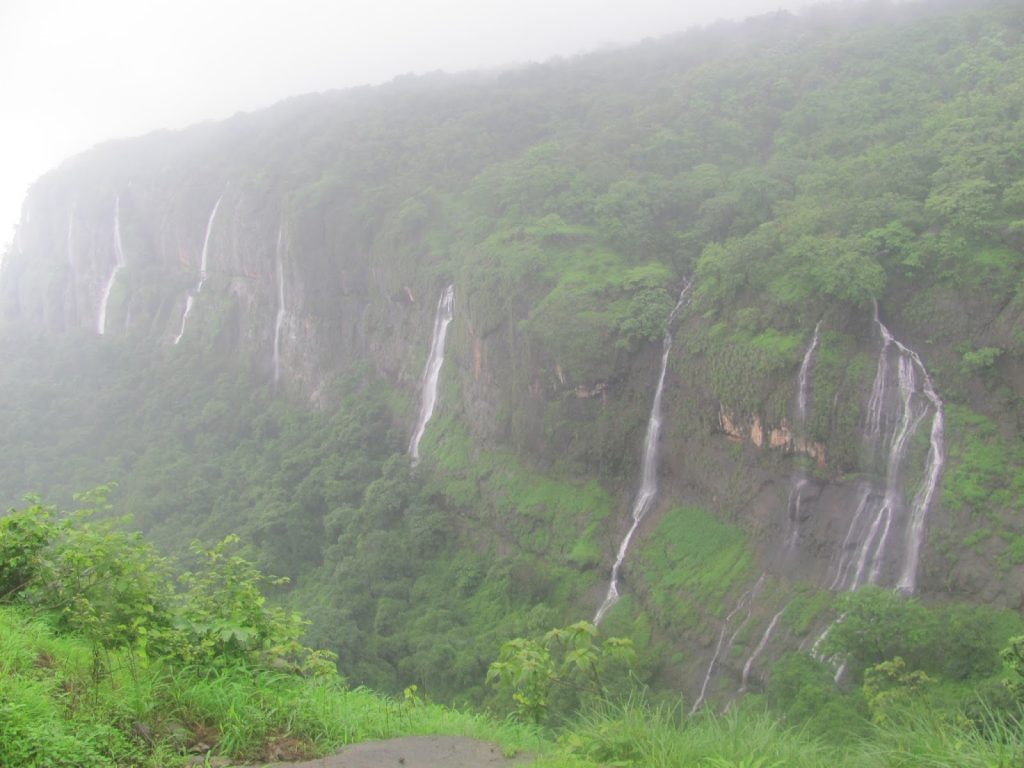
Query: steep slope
{"type": "Point", "coordinates": [823, 179]}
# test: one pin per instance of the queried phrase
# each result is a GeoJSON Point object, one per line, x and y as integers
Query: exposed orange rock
{"type": "Point", "coordinates": [728, 427]}
{"type": "Point", "coordinates": [583, 392]}
{"type": "Point", "coordinates": [778, 437]}
{"type": "Point", "coordinates": [756, 432]}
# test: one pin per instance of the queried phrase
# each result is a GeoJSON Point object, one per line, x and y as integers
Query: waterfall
{"type": "Point", "coordinates": [190, 298]}
{"type": "Point", "coordinates": [893, 418]}
{"type": "Point", "coordinates": [745, 602]}
{"type": "Point", "coordinates": [432, 372]}
{"type": "Point", "coordinates": [803, 377]}
{"type": "Point", "coordinates": [846, 560]}
{"type": "Point", "coordinates": [793, 507]}
{"type": "Point", "coordinates": [101, 321]}
{"type": "Point", "coordinates": [749, 665]}
{"type": "Point", "coordinates": [649, 472]}
{"type": "Point", "coordinates": [923, 498]}
{"type": "Point", "coordinates": [279, 319]}
{"type": "Point", "coordinates": [798, 482]}
{"type": "Point", "coordinates": [206, 245]}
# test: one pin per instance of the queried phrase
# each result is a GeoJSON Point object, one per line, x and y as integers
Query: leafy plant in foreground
{"type": "Point", "coordinates": [569, 657]}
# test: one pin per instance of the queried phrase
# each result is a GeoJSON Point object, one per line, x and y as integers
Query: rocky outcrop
{"type": "Point", "coordinates": [774, 437]}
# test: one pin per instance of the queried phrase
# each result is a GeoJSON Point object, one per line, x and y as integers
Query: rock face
{"type": "Point", "coordinates": [308, 275]}
{"type": "Point", "coordinates": [775, 438]}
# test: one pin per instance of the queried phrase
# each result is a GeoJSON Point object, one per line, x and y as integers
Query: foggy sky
{"type": "Point", "coordinates": [75, 73]}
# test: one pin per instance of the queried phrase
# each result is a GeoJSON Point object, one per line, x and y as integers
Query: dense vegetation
{"type": "Point", "coordinates": [105, 661]}
{"type": "Point", "coordinates": [798, 168]}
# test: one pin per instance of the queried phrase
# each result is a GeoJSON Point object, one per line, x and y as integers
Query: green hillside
{"type": "Point", "coordinates": [838, 462]}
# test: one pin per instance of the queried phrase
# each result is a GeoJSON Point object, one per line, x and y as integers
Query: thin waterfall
{"type": "Point", "coordinates": [749, 665]}
{"type": "Point", "coordinates": [189, 301]}
{"type": "Point", "coordinates": [846, 559]}
{"type": "Point", "coordinates": [101, 320]}
{"type": "Point", "coordinates": [893, 418]}
{"type": "Point", "coordinates": [798, 482]}
{"type": "Point", "coordinates": [794, 504]}
{"type": "Point", "coordinates": [649, 471]}
{"type": "Point", "coordinates": [432, 373]}
{"type": "Point", "coordinates": [206, 245]}
{"type": "Point", "coordinates": [279, 319]}
{"type": "Point", "coordinates": [804, 377]}
{"type": "Point", "coordinates": [191, 297]}
{"type": "Point", "coordinates": [919, 507]}
{"type": "Point", "coordinates": [745, 603]}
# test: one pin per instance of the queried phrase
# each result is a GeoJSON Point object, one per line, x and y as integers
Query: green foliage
{"type": "Point", "coordinates": [984, 484]}
{"type": "Point", "coordinates": [599, 301]}
{"type": "Point", "coordinates": [800, 166]}
{"type": "Point", "coordinates": [802, 611]}
{"type": "Point", "coordinates": [979, 360]}
{"type": "Point", "coordinates": [1013, 657]}
{"type": "Point", "coordinates": [570, 657]}
{"type": "Point", "coordinates": [958, 642]}
{"type": "Point", "coordinates": [801, 689]}
{"type": "Point", "coordinates": [95, 578]}
{"type": "Point", "coordinates": [691, 561]}
{"type": "Point", "coordinates": [108, 585]}
{"type": "Point", "coordinates": [53, 713]}
{"type": "Point", "coordinates": [225, 615]}
{"type": "Point", "coordinates": [890, 688]}
{"type": "Point", "coordinates": [24, 537]}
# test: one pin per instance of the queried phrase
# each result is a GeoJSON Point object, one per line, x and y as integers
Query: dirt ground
{"type": "Point", "coordinates": [416, 752]}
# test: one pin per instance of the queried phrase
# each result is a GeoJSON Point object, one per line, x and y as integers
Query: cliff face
{"type": "Point", "coordinates": [566, 226]}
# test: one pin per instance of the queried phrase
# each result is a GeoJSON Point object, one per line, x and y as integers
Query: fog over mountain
{"type": "Point", "coordinates": [77, 74]}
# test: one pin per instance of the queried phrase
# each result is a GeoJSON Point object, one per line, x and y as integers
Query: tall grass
{"type": "Point", "coordinates": [57, 709]}
{"type": "Point", "coordinates": [636, 733]}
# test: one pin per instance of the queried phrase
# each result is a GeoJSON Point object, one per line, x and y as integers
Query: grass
{"type": "Point", "coordinates": [635, 733]}
{"type": "Point", "coordinates": [62, 706]}
{"type": "Point", "coordinates": [57, 710]}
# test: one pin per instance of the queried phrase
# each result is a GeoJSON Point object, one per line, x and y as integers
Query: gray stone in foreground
{"type": "Point", "coordinates": [416, 752]}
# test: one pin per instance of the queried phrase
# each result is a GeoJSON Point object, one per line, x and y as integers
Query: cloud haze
{"type": "Point", "coordinates": [77, 73]}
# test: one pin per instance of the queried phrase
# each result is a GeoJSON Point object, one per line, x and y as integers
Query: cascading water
{"type": "Point", "coordinates": [758, 650]}
{"type": "Point", "coordinates": [279, 319]}
{"type": "Point", "coordinates": [794, 505]}
{"type": "Point", "coordinates": [101, 320]}
{"type": "Point", "coordinates": [862, 554]}
{"type": "Point", "coordinates": [203, 259]}
{"type": "Point", "coordinates": [798, 482]}
{"type": "Point", "coordinates": [797, 486]}
{"type": "Point", "coordinates": [432, 373]}
{"type": "Point", "coordinates": [190, 299]}
{"type": "Point", "coordinates": [803, 377]}
{"type": "Point", "coordinates": [919, 507]}
{"type": "Point", "coordinates": [649, 471]}
{"type": "Point", "coordinates": [893, 418]}
{"type": "Point", "coordinates": [745, 603]}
